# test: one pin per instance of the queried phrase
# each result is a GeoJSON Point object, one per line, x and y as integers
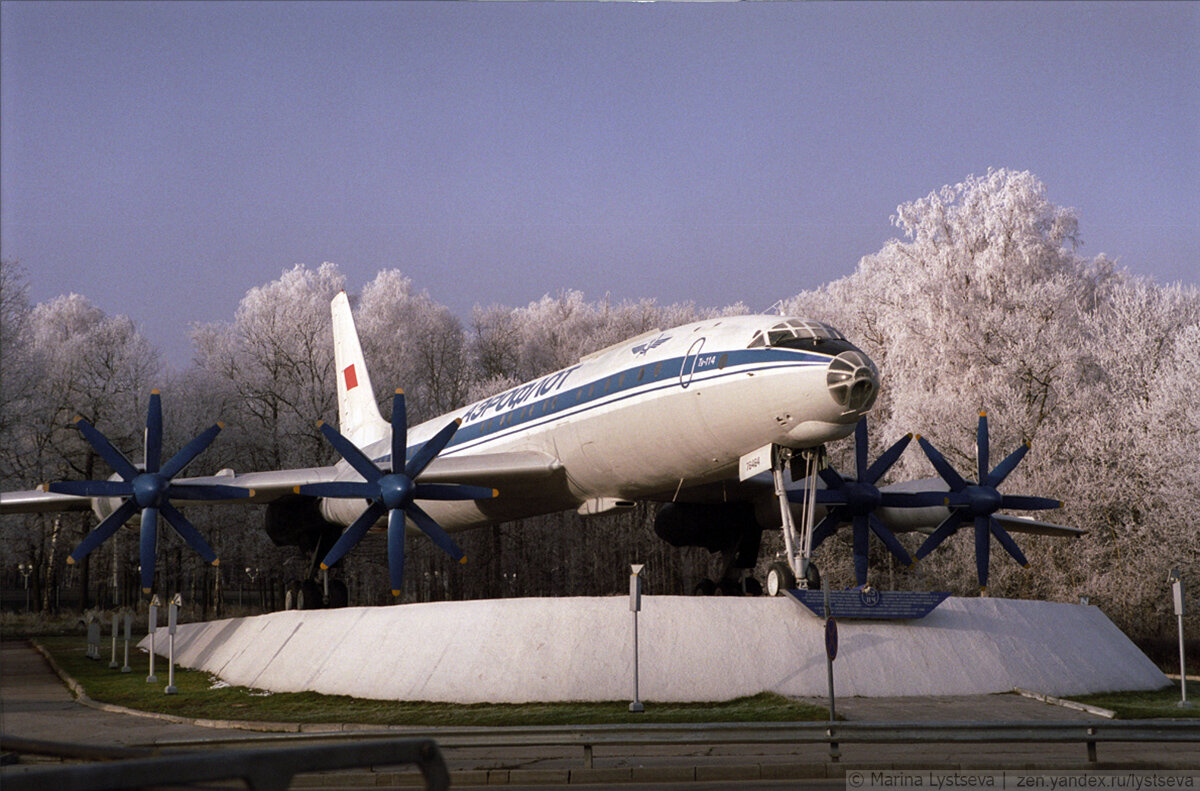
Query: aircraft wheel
{"type": "Point", "coordinates": [704, 587]}
{"type": "Point", "coordinates": [291, 595]}
{"type": "Point", "coordinates": [814, 577]}
{"type": "Point", "coordinates": [309, 597]}
{"type": "Point", "coordinates": [338, 595]}
{"type": "Point", "coordinates": [779, 578]}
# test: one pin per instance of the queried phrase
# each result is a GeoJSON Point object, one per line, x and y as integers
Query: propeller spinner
{"type": "Point", "coordinates": [149, 491]}
{"type": "Point", "coordinates": [978, 501]}
{"type": "Point", "coordinates": [393, 491]}
{"type": "Point", "coordinates": [854, 500]}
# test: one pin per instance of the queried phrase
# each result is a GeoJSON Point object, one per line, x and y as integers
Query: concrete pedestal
{"type": "Point", "coordinates": [692, 649]}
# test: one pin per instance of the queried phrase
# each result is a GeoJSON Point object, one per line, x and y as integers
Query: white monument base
{"type": "Point", "coordinates": [692, 649]}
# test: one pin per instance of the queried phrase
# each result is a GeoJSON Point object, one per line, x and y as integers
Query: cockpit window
{"type": "Point", "coordinates": [809, 336]}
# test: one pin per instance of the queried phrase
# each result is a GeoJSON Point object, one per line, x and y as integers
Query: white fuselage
{"type": "Point", "coordinates": [642, 419]}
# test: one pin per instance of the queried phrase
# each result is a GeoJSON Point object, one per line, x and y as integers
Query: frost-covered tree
{"type": "Point", "coordinates": [410, 341]}
{"type": "Point", "coordinates": [272, 368]}
{"type": "Point", "coordinates": [986, 304]}
{"type": "Point", "coordinates": [80, 362]}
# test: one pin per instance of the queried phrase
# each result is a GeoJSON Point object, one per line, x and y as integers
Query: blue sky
{"type": "Point", "coordinates": [164, 158]}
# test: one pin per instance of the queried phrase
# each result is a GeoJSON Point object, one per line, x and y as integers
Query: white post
{"type": "Point", "coordinates": [112, 665]}
{"type": "Point", "coordinates": [635, 604]}
{"type": "Point", "coordinates": [152, 628]}
{"type": "Point", "coordinates": [128, 632]}
{"type": "Point", "coordinates": [1177, 592]}
{"type": "Point", "coordinates": [172, 619]}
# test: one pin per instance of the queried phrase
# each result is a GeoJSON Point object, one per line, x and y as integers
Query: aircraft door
{"type": "Point", "coordinates": [689, 363]}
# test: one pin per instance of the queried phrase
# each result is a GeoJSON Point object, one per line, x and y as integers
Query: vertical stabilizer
{"type": "Point", "coordinates": [358, 414]}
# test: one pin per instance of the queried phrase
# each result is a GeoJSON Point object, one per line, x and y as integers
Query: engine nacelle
{"type": "Point", "coordinates": [718, 527]}
{"type": "Point", "coordinates": [297, 521]}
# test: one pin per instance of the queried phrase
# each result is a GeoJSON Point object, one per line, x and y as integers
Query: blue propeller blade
{"type": "Point", "coordinates": [452, 491]}
{"type": "Point", "coordinates": [886, 460]}
{"type": "Point", "coordinates": [912, 499]}
{"type": "Point", "coordinates": [860, 450]}
{"type": "Point", "coordinates": [1022, 503]}
{"type": "Point", "coordinates": [827, 526]}
{"type": "Point", "coordinates": [350, 452]}
{"type": "Point", "coordinates": [353, 534]}
{"type": "Point", "coordinates": [435, 532]}
{"type": "Point", "coordinates": [104, 531]}
{"type": "Point", "coordinates": [947, 528]}
{"type": "Point", "coordinates": [189, 451]}
{"type": "Point", "coordinates": [149, 541]}
{"type": "Point", "coordinates": [948, 473]}
{"type": "Point", "coordinates": [1004, 468]}
{"type": "Point", "coordinates": [1007, 542]}
{"type": "Point", "coordinates": [207, 491]}
{"type": "Point", "coordinates": [399, 429]}
{"type": "Point", "coordinates": [92, 488]}
{"type": "Point", "coordinates": [430, 449]}
{"type": "Point", "coordinates": [983, 543]}
{"type": "Point", "coordinates": [115, 458]}
{"type": "Point", "coordinates": [154, 433]}
{"type": "Point", "coordinates": [862, 546]}
{"type": "Point", "coordinates": [347, 489]}
{"type": "Point", "coordinates": [981, 446]}
{"type": "Point", "coordinates": [395, 543]}
{"type": "Point", "coordinates": [889, 540]}
{"type": "Point", "coordinates": [187, 531]}
{"type": "Point", "coordinates": [831, 477]}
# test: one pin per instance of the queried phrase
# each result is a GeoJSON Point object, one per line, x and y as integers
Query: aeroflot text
{"type": "Point", "coordinates": [511, 398]}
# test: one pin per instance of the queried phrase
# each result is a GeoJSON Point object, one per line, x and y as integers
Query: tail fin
{"type": "Point", "coordinates": [358, 414]}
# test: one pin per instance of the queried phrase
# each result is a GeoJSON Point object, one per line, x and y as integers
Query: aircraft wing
{"type": "Point", "coordinates": [36, 501]}
{"type": "Point", "coordinates": [485, 469]}
{"type": "Point", "coordinates": [498, 470]}
{"type": "Point", "coordinates": [1020, 524]}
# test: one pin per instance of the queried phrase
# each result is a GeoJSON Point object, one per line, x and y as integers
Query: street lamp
{"type": "Point", "coordinates": [26, 569]}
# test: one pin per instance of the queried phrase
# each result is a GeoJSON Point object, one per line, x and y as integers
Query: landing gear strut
{"type": "Point", "coordinates": [797, 568]}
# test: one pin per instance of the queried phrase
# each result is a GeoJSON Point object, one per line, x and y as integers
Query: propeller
{"type": "Point", "coordinates": [978, 501]}
{"type": "Point", "coordinates": [393, 490]}
{"type": "Point", "coordinates": [854, 500]}
{"type": "Point", "coordinates": [148, 489]}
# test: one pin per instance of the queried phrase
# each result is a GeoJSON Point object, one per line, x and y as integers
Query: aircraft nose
{"type": "Point", "coordinates": [853, 381]}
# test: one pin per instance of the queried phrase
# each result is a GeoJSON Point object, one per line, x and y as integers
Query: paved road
{"type": "Point", "coordinates": [35, 704]}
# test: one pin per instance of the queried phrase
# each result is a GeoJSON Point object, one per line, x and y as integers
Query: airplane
{"type": "Point", "coordinates": [669, 416]}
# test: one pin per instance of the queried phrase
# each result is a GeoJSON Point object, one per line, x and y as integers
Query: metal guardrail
{"type": "Point", "coordinates": [262, 769]}
{"type": "Point", "coordinates": [587, 737]}
{"type": "Point", "coordinates": [833, 734]}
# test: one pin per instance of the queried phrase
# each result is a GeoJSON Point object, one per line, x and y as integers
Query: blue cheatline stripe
{"type": "Point", "coordinates": [575, 401]}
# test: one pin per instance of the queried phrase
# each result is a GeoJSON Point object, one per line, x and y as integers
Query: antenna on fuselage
{"type": "Point", "coordinates": [777, 307]}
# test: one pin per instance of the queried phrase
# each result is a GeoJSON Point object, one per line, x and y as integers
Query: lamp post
{"type": "Point", "coordinates": [152, 627]}
{"type": "Point", "coordinates": [26, 569]}
{"type": "Point", "coordinates": [172, 620]}
{"type": "Point", "coordinates": [1176, 580]}
{"type": "Point", "coordinates": [635, 604]}
{"type": "Point", "coordinates": [252, 573]}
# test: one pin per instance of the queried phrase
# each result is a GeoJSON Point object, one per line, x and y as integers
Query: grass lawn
{"type": "Point", "coordinates": [201, 696]}
{"type": "Point", "coordinates": [1160, 704]}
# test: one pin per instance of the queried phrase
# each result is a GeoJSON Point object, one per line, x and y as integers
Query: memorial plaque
{"type": "Point", "coordinates": [871, 604]}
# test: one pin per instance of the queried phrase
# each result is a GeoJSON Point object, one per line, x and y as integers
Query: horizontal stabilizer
{"type": "Point", "coordinates": [1019, 524]}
